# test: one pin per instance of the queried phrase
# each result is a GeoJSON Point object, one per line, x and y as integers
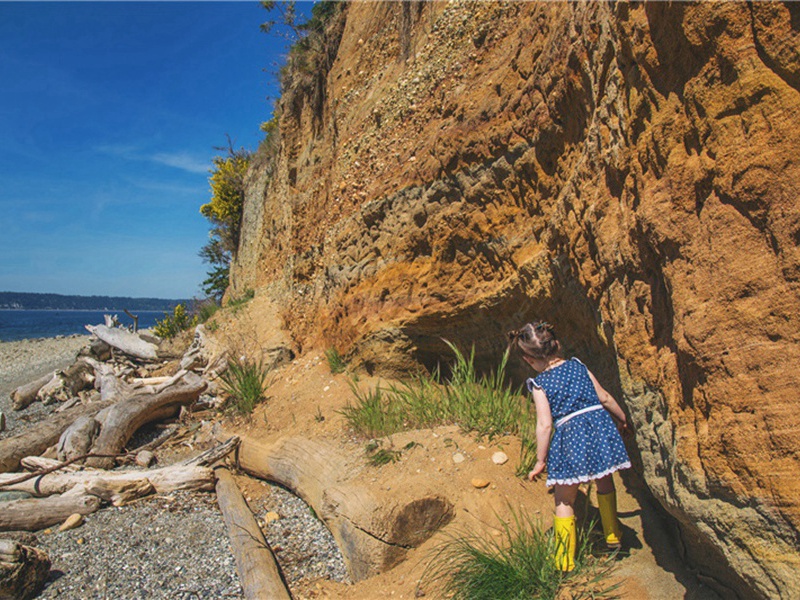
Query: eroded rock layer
{"type": "Point", "coordinates": [627, 171]}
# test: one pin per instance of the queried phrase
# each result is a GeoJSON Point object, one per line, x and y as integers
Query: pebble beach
{"type": "Point", "coordinates": [170, 546]}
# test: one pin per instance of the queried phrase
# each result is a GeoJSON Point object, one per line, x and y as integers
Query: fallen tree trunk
{"type": "Point", "coordinates": [23, 570]}
{"type": "Point", "coordinates": [122, 420]}
{"type": "Point", "coordinates": [125, 341]}
{"type": "Point", "coordinates": [259, 574]}
{"type": "Point", "coordinates": [37, 513]}
{"type": "Point", "coordinates": [40, 436]}
{"type": "Point", "coordinates": [374, 529]}
{"type": "Point", "coordinates": [25, 395]}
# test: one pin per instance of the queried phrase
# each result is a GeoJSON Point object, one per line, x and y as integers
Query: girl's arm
{"type": "Point", "coordinates": [608, 402]}
{"type": "Point", "coordinates": [544, 425]}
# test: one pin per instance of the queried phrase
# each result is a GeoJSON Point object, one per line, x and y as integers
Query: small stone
{"type": "Point", "coordinates": [479, 483]}
{"type": "Point", "coordinates": [145, 458]}
{"type": "Point", "coordinates": [271, 516]}
{"type": "Point", "coordinates": [79, 541]}
{"type": "Point", "coordinates": [47, 531]}
{"type": "Point", "coordinates": [499, 458]}
{"type": "Point", "coordinates": [73, 521]}
{"type": "Point", "coordinates": [458, 458]}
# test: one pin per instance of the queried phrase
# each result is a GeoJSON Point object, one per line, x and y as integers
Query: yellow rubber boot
{"type": "Point", "coordinates": [607, 503]}
{"type": "Point", "coordinates": [564, 529]}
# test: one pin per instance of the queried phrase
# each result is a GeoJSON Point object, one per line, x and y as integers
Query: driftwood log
{"type": "Point", "coordinates": [373, 529]}
{"type": "Point", "coordinates": [125, 341]}
{"type": "Point", "coordinates": [120, 421]}
{"type": "Point", "coordinates": [33, 514]}
{"type": "Point", "coordinates": [25, 395]}
{"type": "Point", "coordinates": [23, 570]}
{"type": "Point", "coordinates": [37, 438]}
{"type": "Point", "coordinates": [258, 570]}
{"type": "Point", "coordinates": [191, 474]}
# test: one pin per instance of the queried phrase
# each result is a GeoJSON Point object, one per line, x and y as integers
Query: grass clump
{"type": "Point", "coordinates": [518, 564]}
{"type": "Point", "coordinates": [236, 303]}
{"type": "Point", "coordinates": [336, 362]}
{"type": "Point", "coordinates": [246, 382]}
{"type": "Point", "coordinates": [485, 404]}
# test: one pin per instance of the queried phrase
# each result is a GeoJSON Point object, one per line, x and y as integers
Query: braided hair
{"type": "Point", "coordinates": [537, 339]}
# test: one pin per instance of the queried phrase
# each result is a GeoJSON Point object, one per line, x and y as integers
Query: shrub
{"type": "Point", "coordinates": [518, 564]}
{"type": "Point", "coordinates": [172, 325]}
{"type": "Point", "coordinates": [245, 381]}
{"type": "Point", "coordinates": [204, 310]}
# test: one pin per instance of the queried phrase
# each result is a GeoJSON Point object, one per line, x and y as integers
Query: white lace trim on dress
{"type": "Point", "coordinates": [587, 478]}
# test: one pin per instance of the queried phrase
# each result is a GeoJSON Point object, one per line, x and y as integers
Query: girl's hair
{"type": "Point", "coordinates": [537, 339]}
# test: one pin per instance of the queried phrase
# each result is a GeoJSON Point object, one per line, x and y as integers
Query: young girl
{"type": "Point", "coordinates": [585, 446]}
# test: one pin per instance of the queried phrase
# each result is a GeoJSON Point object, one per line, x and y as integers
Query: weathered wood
{"type": "Point", "coordinates": [125, 341]}
{"type": "Point", "coordinates": [163, 480]}
{"type": "Point", "coordinates": [25, 395]}
{"type": "Point", "coordinates": [190, 474]}
{"type": "Point", "coordinates": [111, 387]}
{"type": "Point", "coordinates": [122, 420]}
{"type": "Point", "coordinates": [23, 572]}
{"type": "Point", "coordinates": [40, 436]}
{"type": "Point", "coordinates": [374, 529]}
{"type": "Point", "coordinates": [259, 574]}
{"type": "Point", "coordinates": [77, 438]}
{"type": "Point", "coordinates": [37, 513]}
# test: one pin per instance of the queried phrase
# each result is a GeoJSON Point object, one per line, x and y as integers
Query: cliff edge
{"type": "Point", "coordinates": [627, 171]}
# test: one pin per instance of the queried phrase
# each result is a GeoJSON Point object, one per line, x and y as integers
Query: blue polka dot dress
{"type": "Point", "coordinates": [585, 444]}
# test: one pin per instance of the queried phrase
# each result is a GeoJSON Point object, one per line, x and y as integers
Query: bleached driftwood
{"type": "Point", "coordinates": [25, 395]}
{"type": "Point", "coordinates": [258, 570]}
{"type": "Point", "coordinates": [37, 438]}
{"type": "Point", "coordinates": [23, 570]}
{"type": "Point", "coordinates": [125, 341]}
{"type": "Point", "coordinates": [373, 528]}
{"type": "Point", "coordinates": [122, 420]}
{"type": "Point", "coordinates": [111, 387]}
{"type": "Point", "coordinates": [33, 514]}
{"type": "Point", "coordinates": [191, 474]}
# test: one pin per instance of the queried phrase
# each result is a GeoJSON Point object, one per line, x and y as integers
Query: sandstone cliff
{"type": "Point", "coordinates": [627, 171]}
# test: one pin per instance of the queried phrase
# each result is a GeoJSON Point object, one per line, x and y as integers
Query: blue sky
{"type": "Point", "coordinates": [109, 116]}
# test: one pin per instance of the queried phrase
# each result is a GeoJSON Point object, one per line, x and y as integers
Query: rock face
{"type": "Point", "coordinates": [628, 172]}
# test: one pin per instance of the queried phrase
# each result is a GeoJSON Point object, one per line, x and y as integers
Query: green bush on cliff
{"type": "Point", "coordinates": [245, 381]}
{"type": "Point", "coordinates": [172, 325]}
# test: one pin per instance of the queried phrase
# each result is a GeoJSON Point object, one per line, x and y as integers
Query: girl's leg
{"type": "Point", "coordinates": [607, 503]}
{"type": "Point", "coordinates": [565, 499]}
{"type": "Point", "coordinates": [605, 485]}
{"type": "Point", "coordinates": [564, 526]}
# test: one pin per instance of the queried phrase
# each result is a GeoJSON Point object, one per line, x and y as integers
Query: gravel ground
{"type": "Point", "coordinates": [172, 546]}
{"type": "Point", "coordinates": [24, 361]}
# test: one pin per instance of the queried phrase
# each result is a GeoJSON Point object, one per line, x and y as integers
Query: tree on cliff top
{"type": "Point", "coordinates": [225, 213]}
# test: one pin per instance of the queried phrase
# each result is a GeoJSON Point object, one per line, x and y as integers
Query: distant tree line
{"type": "Point", "coordinates": [30, 301]}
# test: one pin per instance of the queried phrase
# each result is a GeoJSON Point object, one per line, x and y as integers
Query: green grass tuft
{"type": "Point", "coordinates": [485, 404]}
{"type": "Point", "coordinates": [336, 363]}
{"type": "Point", "coordinates": [246, 382]}
{"type": "Point", "coordinates": [519, 564]}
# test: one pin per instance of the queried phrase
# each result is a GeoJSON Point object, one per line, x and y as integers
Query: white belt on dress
{"type": "Point", "coordinates": [566, 418]}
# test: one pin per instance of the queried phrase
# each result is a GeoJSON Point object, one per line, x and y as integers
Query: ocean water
{"type": "Point", "coordinates": [22, 324]}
